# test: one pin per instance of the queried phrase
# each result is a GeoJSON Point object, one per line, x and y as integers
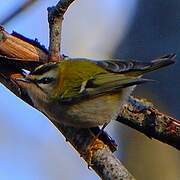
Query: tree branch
{"type": "Point", "coordinates": [142, 116]}
{"type": "Point", "coordinates": [17, 46]}
{"type": "Point", "coordinates": [106, 165]}
{"type": "Point", "coordinates": [55, 18]}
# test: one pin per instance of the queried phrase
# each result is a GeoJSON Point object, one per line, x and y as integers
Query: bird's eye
{"type": "Point", "coordinates": [45, 80]}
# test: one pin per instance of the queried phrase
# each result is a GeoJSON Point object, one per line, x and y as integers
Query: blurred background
{"type": "Point", "coordinates": [30, 146]}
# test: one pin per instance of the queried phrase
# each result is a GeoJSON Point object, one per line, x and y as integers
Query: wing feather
{"type": "Point", "coordinates": [136, 67]}
{"type": "Point", "coordinates": [101, 84]}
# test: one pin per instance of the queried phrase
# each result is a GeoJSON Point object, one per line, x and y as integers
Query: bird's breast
{"type": "Point", "coordinates": [87, 113]}
{"type": "Point", "coordinates": [99, 110]}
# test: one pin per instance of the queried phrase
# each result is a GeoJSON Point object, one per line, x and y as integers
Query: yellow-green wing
{"type": "Point", "coordinates": [111, 82]}
{"type": "Point", "coordinates": [85, 79]}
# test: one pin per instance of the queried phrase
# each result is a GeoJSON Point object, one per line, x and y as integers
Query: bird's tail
{"type": "Point", "coordinates": [136, 68]}
{"type": "Point", "coordinates": [161, 62]}
{"type": "Point", "coordinates": [140, 68]}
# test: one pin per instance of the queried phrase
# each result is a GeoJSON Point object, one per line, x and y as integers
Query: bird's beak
{"type": "Point", "coordinates": [26, 80]}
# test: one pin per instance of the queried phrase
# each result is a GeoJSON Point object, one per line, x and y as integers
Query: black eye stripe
{"type": "Point", "coordinates": [45, 80]}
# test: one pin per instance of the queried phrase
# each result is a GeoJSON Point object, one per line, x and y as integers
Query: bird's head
{"type": "Point", "coordinates": [43, 79]}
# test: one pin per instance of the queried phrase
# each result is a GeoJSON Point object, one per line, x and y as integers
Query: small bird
{"type": "Point", "coordinates": [86, 93]}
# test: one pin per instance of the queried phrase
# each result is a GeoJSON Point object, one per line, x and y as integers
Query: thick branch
{"type": "Point", "coordinates": [109, 166]}
{"type": "Point", "coordinates": [55, 18]}
{"type": "Point", "coordinates": [142, 116]}
{"type": "Point", "coordinates": [106, 165]}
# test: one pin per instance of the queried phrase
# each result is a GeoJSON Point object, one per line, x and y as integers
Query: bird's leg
{"type": "Point", "coordinates": [101, 130]}
{"type": "Point", "coordinates": [94, 145]}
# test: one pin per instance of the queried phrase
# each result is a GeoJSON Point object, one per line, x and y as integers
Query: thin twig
{"type": "Point", "coordinates": [55, 18]}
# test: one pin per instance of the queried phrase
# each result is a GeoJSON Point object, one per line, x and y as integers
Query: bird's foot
{"type": "Point", "coordinates": [95, 144]}
{"type": "Point", "coordinates": [93, 147]}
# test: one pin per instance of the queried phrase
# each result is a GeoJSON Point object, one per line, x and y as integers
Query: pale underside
{"type": "Point", "coordinates": [93, 112]}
